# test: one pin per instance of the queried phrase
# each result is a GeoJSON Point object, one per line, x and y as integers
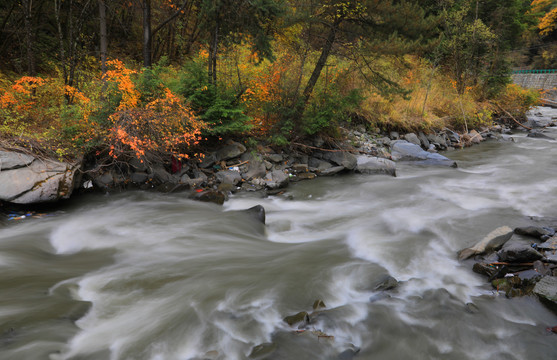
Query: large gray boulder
{"type": "Point", "coordinates": [276, 179]}
{"type": "Point", "coordinates": [518, 252]}
{"type": "Point", "coordinates": [230, 151]}
{"type": "Point", "coordinates": [229, 177]}
{"type": "Point", "coordinates": [412, 138]}
{"type": "Point", "coordinates": [374, 165]}
{"type": "Point", "coordinates": [25, 179]}
{"type": "Point", "coordinates": [342, 158]}
{"type": "Point", "coordinates": [493, 241]}
{"type": "Point", "coordinates": [402, 150]}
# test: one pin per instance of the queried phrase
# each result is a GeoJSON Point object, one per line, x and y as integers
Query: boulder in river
{"type": "Point", "coordinates": [402, 150]}
{"type": "Point", "coordinates": [374, 165]}
{"type": "Point", "coordinates": [342, 158]}
{"type": "Point", "coordinates": [546, 290]}
{"type": "Point", "coordinates": [539, 135]}
{"type": "Point", "coordinates": [493, 241]}
{"type": "Point", "coordinates": [518, 253]}
{"type": "Point", "coordinates": [300, 318]}
{"type": "Point", "coordinates": [534, 231]}
{"type": "Point", "coordinates": [26, 179]}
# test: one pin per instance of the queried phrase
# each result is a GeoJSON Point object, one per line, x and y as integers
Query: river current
{"type": "Point", "coordinates": [160, 277]}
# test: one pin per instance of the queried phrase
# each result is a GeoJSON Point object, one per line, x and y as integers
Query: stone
{"type": "Point", "coordinates": [453, 136]}
{"type": "Point", "coordinates": [546, 290]}
{"type": "Point", "coordinates": [332, 171]}
{"type": "Point", "coordinates": [230, 151]}
{"type": "Point", "coordinates": [550, 244]}
{"type": "Point", "coordinates": [402, 150]}
{"type": "Point", "coordinates": [160, 175]}
{"type": "Point", "coordinates": [475, 137]}
{"type": "Point", "coordinates": [37, 181]}
{"type": "Point", "coordinates": [318, 165]}
{"type": "Point", "coordinates": [493, 241]}
{"type": "Point", "coordinates": [228, 177]}
{"type": "Point", "coordinates": [348, 354]}
{"type": "Point", "coordinates": [412, 138]}
{"type": "Point", "coordinates": [438, 140]}
{"type": "Point", "coordinates": [342, 158]}
{"type": "Point", "coordinates": [532, 231]}
{"type": "Point", "coordinates": [139, 177]}
{"type": "Point", "coordinates": [518, 252]}
{"type": "Point", "coordinates": [374, 165]}
{"type": "Point", "coordinates": [208, 160]}
{"type": "Point", "coordinates": [300, 168]}
{"type": "Point", "coordinates": [212, 196]}
{"type": "Point", "coordinates": [484, 269]}
{"type": "Point", "coordinates": [261, 351]}
{"type": "Point", "coordinates": [394, 135]}
{"type": "Point", "coordinates": [276, 179]}
{"type": "Point", "coordinates": [256, 212]}
{"type": "Point", "coordinates": [423, 140]}
{"type": "Point", "coordinates": [276, 158]}
{"type": "Point", "coordinates": [255, 169]}
{"type": "Point", "coordinates": [10, 160]}
{"type": "Point", "coordinates": [301, 317]}
{"type": "Point", "coordinates": [306, 176]}
{"type": "Point", "coordinates": [318, 304]}
{"type": "Point", "coordinates": [386, 283]}
{"type": "Point", "coordinates": [539, 135]}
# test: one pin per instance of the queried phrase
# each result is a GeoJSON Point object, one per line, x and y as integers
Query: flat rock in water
{"type": "Point", "coordinates": [402, 150]}
{"type": "Point", "coordinates": [374, 165]}
{"type": "Point", "coordinates": [332, 171]}
{"type": "Point", "coordinates": [539, 135]}
{"type": "Point", "coordinates": [493, 241]}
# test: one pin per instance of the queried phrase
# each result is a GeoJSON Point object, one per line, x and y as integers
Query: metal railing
{"type": "Point", "coordinates": [542, 71]}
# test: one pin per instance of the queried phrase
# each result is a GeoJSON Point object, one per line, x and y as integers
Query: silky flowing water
{"type": "Point", "coordinates": [152, 276]}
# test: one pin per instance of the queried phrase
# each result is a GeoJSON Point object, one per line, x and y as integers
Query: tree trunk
{"type": "Point", "coordinates": [320, 64]}
{"type": "Point", "coordinates": [213, 50]}
{"type": "Point", "coordinates": [103, 36]}
{"type": "Point", "coordinates": [147, 40]}
{"type": "Point", "coordinates": [29, 36]}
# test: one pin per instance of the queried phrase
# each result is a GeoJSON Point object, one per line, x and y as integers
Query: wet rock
{"type": "Point", "coordinates": [212, 196]}
{"type": "Point", "coordinates": [533, 231]}
{"type": "Point", "coordinates": [228, 177]}
{"type": "Point", "coordinates": [306, 176]}
{"type": "Point", "coordinates": [139, 177]}
{"type": "Point", "coordinates": [349, 354]}
{"type": "Point", "coordinates": [386, 283]}
{"type": "Point", "coordinates": [318, 304]}
{"type": "Point", "coordinates": [208, 160]}
{"type": "Point", "coordinates": [374, 165]}
{"type": "Point", "coordinates": [453, 136]}
{"type": "Point", "coordinates": [276, 179]}
{"type": "Point", "coordinates": [161, 176]}
{"type": "Point", "coordinates": [485, 269]}
{"type": "Point", "coordinates": [546, 290]}
{"type": "Point", "coordinates": [550, 244]}
{"type": "Point", "coordinates": [438, 140]}
{"type": "Point", "coordinates": [412, 138]}
{"type": "Point", "coordinates": [27, 180]}
{"type": "Point", "coordinates": [541, 268]}
{"type": "Point", "coordinates": [394, 135]}
{"type": "Point", "coordinates": [230, 151]}
{"type": "Point", "coordinates": [342, 158]}
{"type": "Point", "coordinates": [517, 252]}
{"type": "Point", "coordinates": [493, 241]}
{"type": "Point", "coordinates": [402, 150]}
{"type": "Point", "coordinates": [256, 212]}
{"type": "Point", "coordinates": [539, 135]}
{"type": "Point", "coordinates": [256, 169]}
{"type": "Point", "coordinates": [332, 171]}
{"type": "Point", "coordinates": [262, 350]}
{"type": "Point", "coordinates": [301, 318]}
{"type": "Point", "coordinates": [471, 308]}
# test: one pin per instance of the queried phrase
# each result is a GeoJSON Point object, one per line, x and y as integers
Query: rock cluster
{"type": "Point", "coordinates": [519, 262]}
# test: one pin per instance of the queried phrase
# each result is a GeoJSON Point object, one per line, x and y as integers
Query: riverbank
{"type": "Point", "coordinates": [32, 180]}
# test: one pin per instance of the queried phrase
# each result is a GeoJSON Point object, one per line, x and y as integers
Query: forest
{"type": "Point", "coordinates": [132, 77]}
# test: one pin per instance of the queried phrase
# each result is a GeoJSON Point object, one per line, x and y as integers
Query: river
{"type": "Point", "coordinates": [153, 276]}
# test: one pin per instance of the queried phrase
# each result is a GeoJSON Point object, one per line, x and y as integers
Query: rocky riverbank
{"type": "Point", "coordinates": [520, 261]}
{"type": "Point", "coordinates": [30, 180]}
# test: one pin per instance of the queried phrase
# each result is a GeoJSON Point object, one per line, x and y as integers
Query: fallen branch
{"type": "Point", "coordinates": [512, 117]}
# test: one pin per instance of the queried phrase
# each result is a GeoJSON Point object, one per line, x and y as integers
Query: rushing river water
{"type": "Point", "coordinates": [152, 276]}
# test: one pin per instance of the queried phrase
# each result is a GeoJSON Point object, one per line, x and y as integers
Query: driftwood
{"type": "Point", "coordinates": [512, 117]}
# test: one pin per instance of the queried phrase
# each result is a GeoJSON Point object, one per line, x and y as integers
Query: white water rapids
{"type": "Point", "coordinates": [160, 277]}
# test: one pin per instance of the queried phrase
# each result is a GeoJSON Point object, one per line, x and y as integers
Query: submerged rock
{"type": "Point", "coordinates": [257, 212]}
{"type": "Point", "coordinates": [262, 350]}
{"type": "Point", "coordinates": [213, 196]}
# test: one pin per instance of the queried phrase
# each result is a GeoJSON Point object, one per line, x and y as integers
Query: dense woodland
{"type": "Point", "coordinates": [129, 77]}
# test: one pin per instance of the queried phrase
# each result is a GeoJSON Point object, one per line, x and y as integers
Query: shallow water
{"type": "Point", "coordinates": [152, 276]}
